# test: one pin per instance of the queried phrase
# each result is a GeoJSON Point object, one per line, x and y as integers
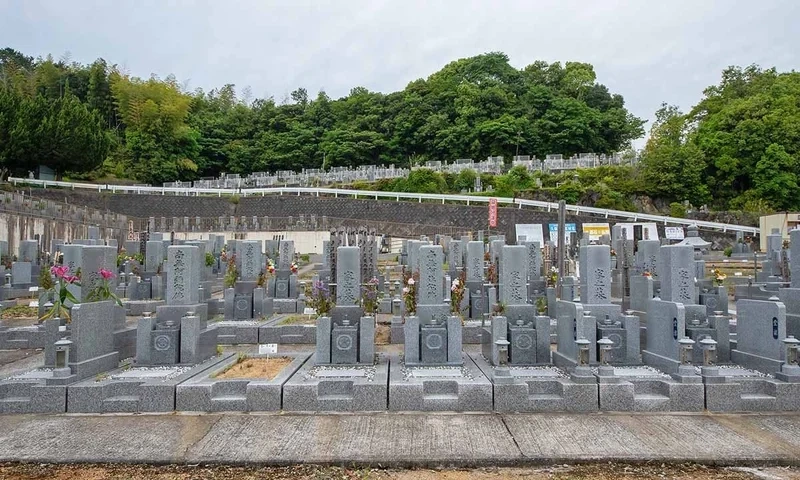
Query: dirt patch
{"type": "Point", "coordinates": [19, 312]}
{"type": "Point", "coordinates": [267, 368]}
{"type": "Point", "coordinates": [299, 320]}
{"type": "Point", "coordinates": [220, 472]}
{"type": "Point", "coordinates": [382, 333]}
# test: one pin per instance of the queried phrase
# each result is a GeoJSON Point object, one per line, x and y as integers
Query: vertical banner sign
{"type": "Point", "coordinates": [492, 213]}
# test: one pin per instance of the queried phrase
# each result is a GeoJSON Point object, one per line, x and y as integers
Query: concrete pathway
{"type": "Point", "coordinates": [402, 439]}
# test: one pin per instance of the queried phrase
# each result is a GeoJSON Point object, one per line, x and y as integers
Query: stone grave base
{"type": "Point", "coordinates": [471, 333]}
{"type": "Point", "coordinates": [135, 389]}
{"type": "Point", "coordinates": [271, 332]}
{"type": "Point", "coordinates": [665, 364]}
{"type": "Point", "coordinates": [338, 388]}
{"type": "Point", "coordinates": [452, 388]}
{"type": "Point", "coordinates": [755, 291]}
{"type": "Point", "coordinates": [32, 336]}
{"type": "Point", "coordinates": [284, 305]}
{"type": "Point", "coordinates": [204, 393]}
{"type": "Point", "coordinates": [539, 389]}
{"type": "Point", "coordinates": [136, 308]}
{"type": "Point", "coordinates": [397, 334]}
{"type": "Point", "coordinates": [645, 389]}
{"type": "Point", "coordinates": [738, 389]}
{"type": "Point", "coordinates": [238, 332]}
{"type": "Point", "coordinates": [756, 362]}
{"type": "Point", "coordinates": [32, 396]}
{"type": "Point", "coordinates": [7, 293]}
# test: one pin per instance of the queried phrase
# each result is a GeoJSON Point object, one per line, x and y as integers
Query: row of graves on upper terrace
{"type": "Point", "coordinates": [485, 324]}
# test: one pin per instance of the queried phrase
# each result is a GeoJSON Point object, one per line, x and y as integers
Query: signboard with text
{"type": "Point", "coordinates": [492, 213]}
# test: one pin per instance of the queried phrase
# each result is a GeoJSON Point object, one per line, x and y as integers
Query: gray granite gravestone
{"type": "Point", "coordinates": [93, 259]}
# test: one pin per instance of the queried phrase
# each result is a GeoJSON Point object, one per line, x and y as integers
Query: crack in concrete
{"type": "Point", "coordinates": [513, 438]}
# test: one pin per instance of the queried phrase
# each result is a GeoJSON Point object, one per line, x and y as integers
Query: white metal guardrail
{"type": "Point", "coordinates": [336, 192]}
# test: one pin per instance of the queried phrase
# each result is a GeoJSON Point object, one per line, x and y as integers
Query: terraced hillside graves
{"type": "Point", "coordinates": [434, 373]}
{"type": "Point", "coordinates": [774, 274]}
{"type": "Point", "coordinates": [345, 373]}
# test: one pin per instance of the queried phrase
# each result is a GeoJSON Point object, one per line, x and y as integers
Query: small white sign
{"type": "Point", "coordinates": [267, 348]}
{"type": "Point", "coordinates": [674, 233]}
{"type": "Point", "coordinates": [33, 289]}
{"type": "Point", "coordinates": [309, 311]}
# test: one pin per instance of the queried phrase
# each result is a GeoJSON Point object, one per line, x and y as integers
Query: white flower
{"type": "Point", "coordinates": [411, 281]}
{"type": "Point", "coordinates": [456, 283]}
{"type": "Point", "coordinates": [406, 290]}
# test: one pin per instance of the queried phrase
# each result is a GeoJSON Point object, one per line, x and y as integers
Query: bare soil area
{"type": "Point", "coordinates": [267, 368]}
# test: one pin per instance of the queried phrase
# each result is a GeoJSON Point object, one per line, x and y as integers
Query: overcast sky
{"type": "Point", "coordinates": [649, 51]}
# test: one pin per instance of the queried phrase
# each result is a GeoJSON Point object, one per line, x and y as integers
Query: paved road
{"type": "Point", "coordinates": [402, 439]}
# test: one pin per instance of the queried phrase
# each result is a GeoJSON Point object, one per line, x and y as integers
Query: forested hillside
{"type": "Point", "coordinates": [79, 118]}
{"type": "Point", "coordinates": [738, 148]}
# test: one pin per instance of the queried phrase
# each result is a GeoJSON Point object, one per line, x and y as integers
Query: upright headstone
{"type": "Point", "coordinates": [250, 253]}
{"type": "Point", "coordinates": [676, 268]}
{"type": "Point", "coordinates": [93, 259]}
{"type": "Point", "coordinates": [182, 276]}
{"type": "Point", "coordinates": [595, 270]}
{"type": "Point", "coordinates": [514, 275]}
{"type": "Point", "coordinates": [29, 252]}
{"type": "Point", "coordinates": [154, 255]}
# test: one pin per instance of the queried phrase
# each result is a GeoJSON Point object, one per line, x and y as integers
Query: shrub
{"type": "Point", "coordinates": [728, 251]}
{"type": "Point", "coordinates": [677, 210]}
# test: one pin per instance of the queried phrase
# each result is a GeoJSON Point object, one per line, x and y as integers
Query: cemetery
{"type": "Point", "coordinates": [628, 320]}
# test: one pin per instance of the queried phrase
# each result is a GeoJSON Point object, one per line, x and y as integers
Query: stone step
{"type": "Point", "coordinates": [440, 396]}
{"type": "Point", "coordinates": [650, 397]}
{"type": "Point", "coordinates": [538, 397]}
{"type": "Point", "coordinates": [333, 397]}
{"type": "Point", "coordinates": [15, 400]}
{"type": "Point", "coordinates": [756, 396]}
{"type": "Point", "coordinates": [122, 403]}
{"type": "Point", "coordinates": [17, 343]}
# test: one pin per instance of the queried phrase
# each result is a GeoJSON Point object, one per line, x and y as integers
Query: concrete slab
{"type": "Point", "coordinates": [398, 440]}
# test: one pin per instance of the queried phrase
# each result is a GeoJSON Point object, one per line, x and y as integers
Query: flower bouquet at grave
{"type": "Point", "coordinates": [541, 305]}
{"type": "Point", "coordinates": [491, 273]}
{"type": "Point", "coordinates": [371, 297]}
{"type": "Point", "coordinates": [457, 291]}
{"type": "Point", "coordinates": [139, 257]}
{"type": "Point", "coordinates": [231, 274]}
{"type": "Point", "coordinates": [318, 297]}
{"type": "Point", "coordinates": [224, 253]}
{"type": "Point", "coordinates": [61, 293]}
{"type": "Point", "coordinates": [271, 267]}
{"type": "Point", "coordinates": [552, 277]}
{"type": "Point", "coordinates": [647, 274]}
{"type": "Point", "coordinates": [102, 291]}
{"type": "Point", "coordinates": [719, 277]}
{"type": "Point", "coordinates": [122, 257]}
{"type": "Point", "coordinates": [294, 267]}
{"type": "Point", "coordinates": [498, 309]}
{"type": "Point", "coordinates": [210, 260]}
{"type": "Point", "coordinates": [410, 292]}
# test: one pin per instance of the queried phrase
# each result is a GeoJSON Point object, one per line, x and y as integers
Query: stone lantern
{"type": "Point", "coordinates": [62, 358]}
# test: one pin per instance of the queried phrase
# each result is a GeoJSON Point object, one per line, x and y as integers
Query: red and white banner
{"type": "Point", "coordinates": [492, 213]}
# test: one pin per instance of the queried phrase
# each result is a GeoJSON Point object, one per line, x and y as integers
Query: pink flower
{"type": "Point", "coordinates": [59, 272]}
{"type": "Point", "coordinates": [70, 278]}
{"type": "Point", "coordinates": [106, 274]}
